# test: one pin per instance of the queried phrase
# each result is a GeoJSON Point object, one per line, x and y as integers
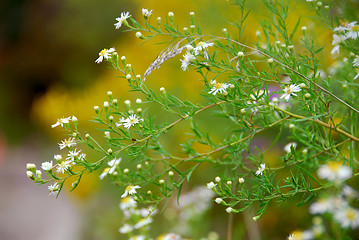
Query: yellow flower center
{"type": "Point", "coordinates": [350, 214]}
{"type": "Point", "coordinates": [200, 44]}
{"type": "Point", "coordinates": [129, 188]}
{"type": "Point", "coordinates": [334, 166]}
{"type": "Point", "coordinates": [355, 28]}
{"type": "Point", "coordinates": [218, 85]}
{"type": "Point", "coordinates": [103, 52]}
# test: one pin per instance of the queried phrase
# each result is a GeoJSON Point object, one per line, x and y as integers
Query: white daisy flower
{"type": "Point", "coordinates": [335, 171]}
{"type": "Point", "coordinates": [218, 87]}
{"type": "Point", "coordinates": [127, 203]}
{"type": "Point", "coordinates": [143, 222]}
{"type": "Point", "coordinates": [349, 193]}
{"type": "Point", "coordinates": [146, 13]}
{"type": "Point", "coordinates": [130, 121]}
{"type": "Point", "coordinates": [292, 236]}
{"type": "Point", "coordinates": [73, 154]}
{"type": "Point", "coordinates": [130, 190]}
{"type": "Point", "coordinates": [289, 91]}
{"type": "Point", "coordinates": [323, 205]}
{"type": "Point", "coordinates": [113, 164]}
{"type": "Point", "coordinates": [356, 61]}
{"type": "Point", "coordinates": [63, 166]}
{"type": "Point", "coordinates": [187, 60]}
{"type": "Point", "coordinates": [122, 19]}
{"type": "Point", "coordinates": [61, 122]}
{"type": "Point", "coordinates": [53, 189]}
{"type": "Point", "coordinates": [289, 145]}
{"type": "Point", "coordinates": [46, 166]}
{"type": "Point", "coordinates": [104, 173]}
{"type": "Point", "coordinates": [353, 30]}
{"type": "Point", "coordinates": [105, 54]}
{"type": "Point", "coordinates": [337, 40]}
{"type": "Point", "coordinates": [261, 169]}
{"type": "Point", "coordinates": [347, 217]}
{"type": "Point", "coordinates": [126, 229]}
{"type": "Point", "coordinates": [67, 143]}
{"type": "Point", "coordinates": [201, 46]}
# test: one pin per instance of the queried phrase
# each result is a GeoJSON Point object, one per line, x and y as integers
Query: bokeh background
{"type": "Point", "coordinates": [47, 71]}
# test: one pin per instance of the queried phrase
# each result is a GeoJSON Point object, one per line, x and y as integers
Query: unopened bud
{"type": "Point", "coordinates": [240, 54]}
{"type": "Point", "coordinates": [30, 166]}
{"type": "Point", "coordinates": [217, 179]}
{"type": "Point", "coordinates": [241, 180]}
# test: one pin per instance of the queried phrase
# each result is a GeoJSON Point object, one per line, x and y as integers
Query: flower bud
{"type": "Point", "coordinates": [170, 173]}
{"type": "Point", "coordinates": [30, 166]}
{"type": "Point", "coordinates": [74, 119]}
{"type": "Point", "coordinates": [105, 104]}
{"type": "Point", "coordinates": [217, 179]}
{"type": "Point", "coordinates": [96, 108]}
{"type": "Point", "coordinates": [139, 35]}
{"type": "Point", "coordinates": [229, 182]}
{"type": "Point", "coordinates": [126, 170]}
{"type": "Point", "coordinates": [307, 95]}
{"type": "Point", "coordinates": [127, 102]}
{"type": "Point", "coordinates": [161, 181]}
{"type": "Point", "coordinates": [138, 101]}
{"type": "Point", "coordinates": [218, 200]}
{"type": "Point", "coordinates": [30, 175]}
{"type": "Point", "coordinates": [291, 126]}
{"type": "Point", "coordinates": [109, 151]}
{"type": "Point", "coordinates": [240, 54]}
{"type": "Point", "coordinates": [229, 209]}
{"type": "Point", "coordinates": [128, 76]}
{"type": "Point", "coordinates": [241, 180]}
{"type": "Point", "coordinates": [270, 60]}
{"type": "Point", "coordinates": [109, 93]}
{"type": "Point", "coordinates": [304, 28]}
{"type": "Point", "coordinates": [139, 166]}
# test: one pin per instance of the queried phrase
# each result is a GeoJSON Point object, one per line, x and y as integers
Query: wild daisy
{"type": "Point", "coordinates": [337, 40]}
{"type": "Point", "coordinates": [105, 54]}
{"type": "Point", "coordinates": [122, 19]}
{"type": "Point", "coordinates": [130, 190]}
{"type": "Point", "coordinates": [126, 228]}
{"type": "Point", "coordinates": [187, 60]}
{"type": "Point", "coordinates": [218, 87]}
{"type": "Point", "coordinates": [201, 46]}
{"type": "Point", "coordinates": [104, 173]}
{"type": "Point", "coordinates": [61, 122]}
{"type": "Point", "coordinates": [64, 166]}
{"type": "Point", "coordinates": [321, 206]}
{"type": "Point", "coordinates": [67, 143]}
{"type": "Point", "coordinates": [261, 169]}
{"type": "Point", "coordinates": [130, 121]}
{"type": "Point", "coordinates": [53, 189]}
{"type": "Point", "coordinates": [290, 90]}
{"type": "Point", "coordinates": [143, 222]}
{"type": "Point", "coordinates": [353, 30]}
{"type": "Point", "coordinates": [73, 154]}
{"type": "Point", "coordinates": [347, 217]}
{"type": "Point", "coordinates": [356, 61]}
{"type": "Point", "coordinates": [335, 171]}
{"type": "Point", "coordinates": [113, 164]}
{"type": "Point", "coordinates": [128, 202]}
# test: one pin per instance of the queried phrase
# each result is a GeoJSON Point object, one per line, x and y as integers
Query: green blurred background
{"type": "Point", "coordinates": [47, 71]}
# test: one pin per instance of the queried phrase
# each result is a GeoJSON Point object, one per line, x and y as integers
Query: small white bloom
{"type": "Point", "coordinates": [113, 164]}
{"type": "Point", "coordinates": [218, 88]}
{"type": "Point", "coordinates": [58, 157]}
{"type": "Point", "coordinates": [122, 19]}
{"type": "Point", "coordinates": [241, 180]}
{"type": "Point", "coordinates": [349, 192]}
{"type": "Point", "coordinates": [105, 54]}
{"type": "Point", "coordinates": [217, 179]}
{"type": "Point", "coordinates": [337, 40]}
{"type": "Point", "coordinates": [104, 173]}
{"type": "Point", "coordinates": [126, 229]}
{"type": "Point", "coordinates": [146, 13]}
{"type": "Point", "coordinates": [127, 203]}
{"type": "Point", "coordinates": [130, 190]}
{"type": "Point", "coordinates": [170, 236]}
{"type": "Point", "coordinates": [323, 205]}
{"type": "Point", "coordinates": [353, 30]}
{"type": "Point", "coordinates": [143, 222]}
{"type": "Point", "coordinates": [46, 166]}
{"type": "Point", "coordinates": [130, 121]}
{"type": "Point", "coordinates": [201, 46]}
{"type": "Point", "coordinates": [291, 237]}
{"type": "Point", "coordinates": [187, 60]}
{"type": "Point", "coordinates": [211, 185]}
{"type": "Point", "coordinates": [67, 143]}
{"type": "Point", "coordinates": [335, 171]}
{"type": "Point", "coordinates": [63, 166]}
{"type": "Point", "coordinates": [53, 189]}
{"type": "Point", "coordinates": [73, 154]}
{"type": "Point", "coordinates": [289, 145]}
{"type": "Point", "coordinates": [288, 91]}
{"type": "Point", "coordinates": [347, 217]}
{"type": "Point", "coordinates": [261, 169]}
{"type": "Point", "coordinates": [356, 61]}
{"type": "Point", "coordinates": [30, 166]}
{"type": "Point", "coordinates": [61, 122]}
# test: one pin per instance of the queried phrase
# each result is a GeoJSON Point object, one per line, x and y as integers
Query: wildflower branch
{"type": "Point", "coordinates": [320, 123]}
